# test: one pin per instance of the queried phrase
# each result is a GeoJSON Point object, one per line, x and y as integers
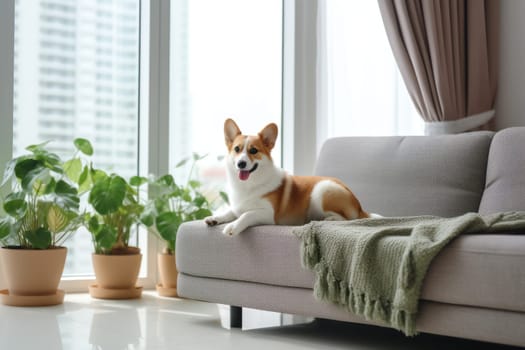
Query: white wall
{"type": "Point", "coordinates": [510, 102]}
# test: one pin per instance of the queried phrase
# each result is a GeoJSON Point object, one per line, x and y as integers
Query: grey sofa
{"type": "Point", "coordinates": [475, 288]}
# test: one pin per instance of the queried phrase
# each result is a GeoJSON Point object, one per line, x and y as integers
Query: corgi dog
{"type": "Point", "coordinates": [263, 194]}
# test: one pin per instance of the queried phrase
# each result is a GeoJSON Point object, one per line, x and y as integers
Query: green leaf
{"type": "Point", "coordinates": [93, 225]}
{"type": "Point", "coordinates": [14, 195]}
{"type": "Point", "coordinates": [202, 213]}
{"type": "Point", "coordinates": [57, 219]}
{"type": "Point", "coordinates": [84, 176]}
{"type": "Point", "coordinates": [161, 186]}
{"type": "Point", "coordinates": [167, 225]}
{"type": "Point", "coordinates": [199, 201]}
{"type": "Point", "coordinates": [40, 214]}
{"type": "Point", "coordinates": [63, 187]}
{"type": "Point", "coordinates": [6, 227]}
{"type": "Point", "coordinates": [50, 160]}
{"type": "Point", "coordinates": [37, 175]}
{"type": "Point", "coordinates": [9, 171]}
{"type": "Point", "coordinates": [73, 169]}
{"type": "Point", "coordinates": [147, 217]}
{"type": "Point", "coordinates": [37, 147]}
{"type": "Point", "coordinates": [97, 174]}
{"type": "Point", "coordinates": [49, 187]}
{"type": "Point", "coordinates": [39, 239]}
{"type": "Point", "coordinates": [84, 146]}
{"type": "Point", "coordinates": [197, 157]}
{"type": "Point", "coordinates": [182, 163]}
{"type": "Point", "coordinates": [161, 204]}
{"type": "Point", "coordinates": [166, 180]}
{"type": "Point", "coordinates": [107, 194]}
{"type": "Point", "coordinates": [194, 184]}
{"type": "Point", "coordinates": [84, 181]}
{"type": "Point", "coordinates": [186, 196]}
{"type": "Point", "coordinates": [224, 197]}
{"type": "Point", "coordinates": [106, 237]}
{"type": "Point", "coordinates": [66, 196]}
{"type": "Point", "coordinates": [177, 192]}
{"type": "Point", "coordinates": [15, 207]}
{"type": "Point", "coordinates": [137, 181]}
{"type": "Point", "coordinates": [24, 166]}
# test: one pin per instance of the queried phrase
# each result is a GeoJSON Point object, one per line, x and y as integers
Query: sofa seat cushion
{"type": "Point", "coordinates": [480, 270]}
{"type": "Point", "coordinates": [262, 254]}
{"type": "Point", "coordinates": [476, 270]}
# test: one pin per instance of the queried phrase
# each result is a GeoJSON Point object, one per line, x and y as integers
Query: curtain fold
{"type": "Point", "coordinates": [447, 53]}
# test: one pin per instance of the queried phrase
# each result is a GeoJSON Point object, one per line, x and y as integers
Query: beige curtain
{"type": "Point", "coordinates": [447, 53]}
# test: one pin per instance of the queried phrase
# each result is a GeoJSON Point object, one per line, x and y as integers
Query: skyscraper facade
{"type": "Point", "coordinates": [77, 75]}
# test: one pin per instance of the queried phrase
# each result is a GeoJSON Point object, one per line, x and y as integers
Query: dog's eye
{"type": "Point", "coordinates": [237, 149]}
{"type": "Point", "coordinates": [253, 150]}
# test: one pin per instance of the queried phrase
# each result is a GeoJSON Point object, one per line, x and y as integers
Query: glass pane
{"type": "Point", "coordinates": [76, 75]}
{"type": "Point", "coordinates": [363, 92]}
{"type": "Point", "coordinates": [226, 62]}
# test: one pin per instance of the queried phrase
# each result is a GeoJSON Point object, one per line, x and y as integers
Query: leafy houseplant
{"type": "Point", "coordinates": [170, 205]}
{"type": "Point", "coordinates": [117, 209]}
{"type": "Point", "coordinates": [41, 212]}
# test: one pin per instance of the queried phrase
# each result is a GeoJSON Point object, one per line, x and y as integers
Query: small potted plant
{"type": "Point", "coordinates": [169, 205]}
{"type": "Point", "coordinates": [41, 211]}
{"type": "Point", "coordinates": [116, 213]}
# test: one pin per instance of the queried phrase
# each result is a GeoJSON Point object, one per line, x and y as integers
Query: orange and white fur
{"type": "Point", "coordinates": [263, 194]}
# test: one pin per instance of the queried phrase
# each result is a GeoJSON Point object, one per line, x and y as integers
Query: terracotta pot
{"type": "Point", "coordinates": [33, 272]}
{"type": "Point", "coordinates": [116, 271]}
{"type": "Point", "coordinates": [167, 270]}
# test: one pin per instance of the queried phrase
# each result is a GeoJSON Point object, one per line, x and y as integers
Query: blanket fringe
{"type": "Point", "coordinates": [310, 251]}
{"type": "Point", "coordinates": [329, 288]}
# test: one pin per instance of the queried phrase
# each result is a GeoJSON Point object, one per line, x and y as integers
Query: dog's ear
{"type": "Point", "coordinates": [268, 135]}
{"type": "Point", "coordinates": [231, 131]}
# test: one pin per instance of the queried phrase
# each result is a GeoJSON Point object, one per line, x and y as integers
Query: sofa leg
{"type": "Point", "coordinates": [235, 316]}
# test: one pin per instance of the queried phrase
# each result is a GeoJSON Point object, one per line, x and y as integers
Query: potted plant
{"type": "Point", "coordinates": [170, 204]}
{"type": "Point", "coordinates": [116, 213]}
{"type": "Point", "coordinates": [41, 212]}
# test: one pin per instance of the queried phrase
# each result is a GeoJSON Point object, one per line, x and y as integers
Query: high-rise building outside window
{"type": "Point", "coordinates": [77, 75]}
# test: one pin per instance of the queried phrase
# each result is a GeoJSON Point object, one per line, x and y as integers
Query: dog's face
{"type": "Point", "coordinates": [249, 155]}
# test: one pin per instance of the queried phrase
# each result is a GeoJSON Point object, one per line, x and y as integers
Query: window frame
{"type": "Point", "coordinates": [299, 100]}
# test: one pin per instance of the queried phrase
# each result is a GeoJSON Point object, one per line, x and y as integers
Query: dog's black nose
{"type": "Point", "coordinates": [241, 164]}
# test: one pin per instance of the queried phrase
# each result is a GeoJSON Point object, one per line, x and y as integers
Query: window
{"type": "Point", "coordinates": [360, 89]}
{"type": "Point", "coordinates": [225, 62]}
{"type": "Point", "coordinates": [63, 92]}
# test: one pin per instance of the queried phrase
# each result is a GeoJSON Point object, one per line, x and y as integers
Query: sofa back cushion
{"type": "Point", "coordinates": [411, 175]}
{"type": "Point", "coordinates": [505, 185]}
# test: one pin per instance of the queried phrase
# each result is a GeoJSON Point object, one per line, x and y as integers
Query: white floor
{"type": "Point", "coordinates": [167, 323]}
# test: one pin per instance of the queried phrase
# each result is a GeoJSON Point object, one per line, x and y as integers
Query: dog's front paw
{"type": "Point", "coordinates": [211, 221]}
{"type": "Point", "coordinates": [232, 229]}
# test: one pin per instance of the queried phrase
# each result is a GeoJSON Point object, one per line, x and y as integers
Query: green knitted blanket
{"type": "Point", "coordinates": [375, 267]}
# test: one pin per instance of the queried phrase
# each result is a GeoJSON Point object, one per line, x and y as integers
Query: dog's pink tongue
{"type": "Point", "coordinates": [244, 175]}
